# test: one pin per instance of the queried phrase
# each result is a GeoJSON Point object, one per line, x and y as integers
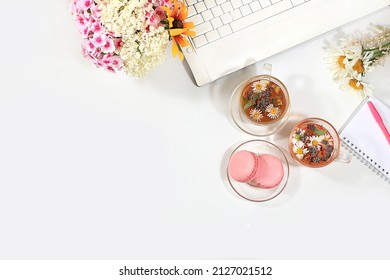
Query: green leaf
{"type": "Point", "coordinates": [319, 131]}
{"type": "Point", "coordinates": [249, 104]}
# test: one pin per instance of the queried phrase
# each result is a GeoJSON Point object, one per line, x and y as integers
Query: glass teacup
{"type": "Point", "coordinates": [261, 105]}
{"type": "Point", "coordinates": [314, 142]}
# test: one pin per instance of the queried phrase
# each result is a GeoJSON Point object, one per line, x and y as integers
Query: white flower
{"type": "Point", "coordinates": [273, 112]}
{"type": "Point", "coordinates": [315, 142]}
{"type": "Point", "coordinates": [355, 85]}
{"type": "Point", "coordinates": [259, 86]}
{"type": "Point", "coordinates": [256, 114]}
{"type": "Point", "coordinates": [328, 138]}
{"type": "Point", "coordinates": [143, 45]}
{"type": "Point", "coordinates": [297, 137]}
{"type": "Point", "coordinates": [337, 60]}
{"type": "Point", "coordinates": [360, 65]}
{"type": "Point", "coordinates": [299, 149]}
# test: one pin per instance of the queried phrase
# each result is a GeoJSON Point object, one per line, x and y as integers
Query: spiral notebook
{"type": "Point", "coordinates": [362, 136]}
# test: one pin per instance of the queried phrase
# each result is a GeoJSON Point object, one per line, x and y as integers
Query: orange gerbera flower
{"type": "Point", "coordinates": [178, 28]}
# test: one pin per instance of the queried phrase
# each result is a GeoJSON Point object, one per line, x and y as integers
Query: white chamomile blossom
{"type": "Point", "coordinates": [327, 138]}
{"type": "Point", "coordinates": [297, 137]}
{"type": "Point", "coordinates": [337, 60]}
{"type": "Point", "coordinates": [299, 150]}
{"type": "Point", "coordinates": [354, 85]}
{"type": "Point", "coordinates": [315, 142]}
{"type": "Point", "coordinates": [273, 112]}
{"type": "Point", "coordinates": [256, 114]}
{"type": "Point", "coordinates": [259, 86]}
{"type": "Point", "coordinates": [360, 65]}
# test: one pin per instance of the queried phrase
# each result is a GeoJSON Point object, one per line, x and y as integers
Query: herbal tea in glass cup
{"type": "Point", "coordinates": [261, 105]}
{"type": "Point", "coordinates": [314, 142]}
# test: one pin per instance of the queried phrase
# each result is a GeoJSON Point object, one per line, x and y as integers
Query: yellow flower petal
{"type": "Point", "coordinates": [176, 31]}
{"type": "Point", "coordinates": [176, 51]}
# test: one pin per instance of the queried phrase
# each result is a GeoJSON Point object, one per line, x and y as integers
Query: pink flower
{"type": "Point", "coordinates": [97, 27]}
{"type": "Point", "coordinates": [89, 46]}
{"type": "Point", "coordinates": [96, 12]}
{"type": "Point", "coordinates": [99, 40]}
{"type": "Point", "coordinates": [81, 21]}
{"type": "Point", "coordinates": [117, 62]}
{"type": "Point", "coordinates": [109, 47]}
{"type": "Point", "coordinates": [86, 4]}
{"type": "Point", "coordinates": [118, 43]}
{"type": "Point", "coordinates": [85, 32]}
{"type": "Point", "coordinates": [154, 20]}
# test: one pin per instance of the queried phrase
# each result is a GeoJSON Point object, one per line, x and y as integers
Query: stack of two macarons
{"type": "Point", "coordinates": [264, 171]}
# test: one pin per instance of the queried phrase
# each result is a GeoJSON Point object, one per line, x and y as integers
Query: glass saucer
{"type": "Point", "coordinates": [258, 194]}
{"type": "Point", "coordinates": [249, 126]}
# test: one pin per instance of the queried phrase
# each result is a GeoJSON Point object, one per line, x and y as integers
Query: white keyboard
{"type": "Point", "coordinates": [215, 19]}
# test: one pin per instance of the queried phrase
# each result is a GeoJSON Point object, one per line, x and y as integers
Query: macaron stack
{"type": "Point", "coordinates": [264, 171]}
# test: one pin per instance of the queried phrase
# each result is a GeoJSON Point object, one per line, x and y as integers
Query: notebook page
{"type": "Point", "coordinates": [364, 137]}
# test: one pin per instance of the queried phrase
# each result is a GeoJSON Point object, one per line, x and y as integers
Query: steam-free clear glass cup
{"type": "Point", "coordinates": [250, 125]}
{"type": "Point", "coordinates": [315, 150]}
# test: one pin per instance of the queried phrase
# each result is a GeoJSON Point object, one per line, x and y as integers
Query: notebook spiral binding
{"type": "Point", "coordinates": [355, 153]}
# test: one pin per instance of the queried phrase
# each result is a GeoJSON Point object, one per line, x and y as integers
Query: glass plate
{"type": "Point", "coordinates": [257, 194]}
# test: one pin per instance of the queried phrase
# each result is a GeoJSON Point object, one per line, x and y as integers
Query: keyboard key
{"type": "Point", "coordinates": [216, 22]}
{"type": "Point", "coordinates": [236, 14]}
{"type": "Point", "coordinates": [227, 7]}
{"type": "Point", "coordinates": [212, 35]}
{"type": "Point", "coordinates": [224, 30]}
{"type": "Point", "coordinates": [245, 2]}
{"type": "Point", "coordinates": [260, 15]}
{"type": "Point", "coordinates": [210, 3]}
{"type": "Point", "coordinates": [265, 3]}
{"type": "Point", "coordinates": [191, 11]}
{"type": "Point", "coordinates": [226, 18]}
{"type": "Point", "coordinates": [219, 1]}
{"type": "Point", "coordinates": [207, 15]}
{"type": "Point", "coordinates": [245, 10]}
{"type": "Point", "coordinates": [217, 11]}
{"type": "Point", "coordinates": [196, 19]}
{"type": "Point", "coordinates": [255, 6]}
{"type": "Point", "coordinates": [191, 2]}
{"type": "Point", "coordinates": [203, 28]}
{"type": "Point", "coordinates": [297, 2]}
{"type": "Point", "coordinates": [236, 4]}
{"type": "Point", "coordinates": [200, 41]}
{"type": "Point", "coordinates": [200, 7]}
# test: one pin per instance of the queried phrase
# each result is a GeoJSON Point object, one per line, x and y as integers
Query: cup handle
{"type": "Point", "coordinates": [267, 69]}
{"type": "Point", "coordinates": [344, 156]}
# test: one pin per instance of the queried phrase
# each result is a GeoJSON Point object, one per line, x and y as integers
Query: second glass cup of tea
{"type": "Point", "coordinates": [261, 105]}
{"type": "Point", "coordinates": [314, 142]}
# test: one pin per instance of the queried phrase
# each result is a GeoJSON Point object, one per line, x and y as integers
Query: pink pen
{"type": "Point", "coordinates": [379, 120]}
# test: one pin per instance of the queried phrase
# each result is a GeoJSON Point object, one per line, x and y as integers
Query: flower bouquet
{"type": "Point", "coordinates": [131, 35]}
{"type": "Point", "coordinates": [352, 58]}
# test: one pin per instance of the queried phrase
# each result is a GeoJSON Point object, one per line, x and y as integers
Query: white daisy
{"type": "Point", "coordinates": [299, 150]}
{"type": "Point", "coordinates": [361, 65]}
{"type": "Point", "coordinates": [256, 114]}
{"type": "Point", "coordinates": [297, 136]}
{"type": "Point", "coordinates": [273, 112]}
{"type": "Point", "coordinates": [258, 86]}
{"type": "Point", "coordinates": [355, 85]}
{"type": "Point", "coordinates": [337, 60]}
{"type": "Point", "coordinates": [315, 141]}
{"type": "Point", "coordinates": [327, 138]}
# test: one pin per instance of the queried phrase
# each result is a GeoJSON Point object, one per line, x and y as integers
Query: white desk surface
{"type": "Point", "coordinates": [101, 166]}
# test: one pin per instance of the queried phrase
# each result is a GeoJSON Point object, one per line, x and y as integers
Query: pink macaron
{"type": "Point", "coordinates": [243, 166]}
{"type": "Point", "coordinates": [270, 172]}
